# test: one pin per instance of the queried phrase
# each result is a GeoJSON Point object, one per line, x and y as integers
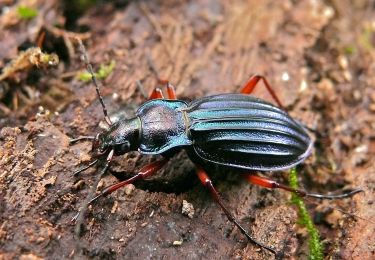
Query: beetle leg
{"type": "Point", "coordinates": [143, 173]}
{"type": "Point", "coordinates": [80, 215]}
{"type": "Point", "coordinates": [252, 83]}
{"type": "Point", "coordinates": [265, 182]}
{"type": "Point", "coordinates": [206, 181]}
{"type": "Point", "coordinates": [146, 171]}
{"type": "Point", "coordinates": [171, 91]}
{"type": "Point", "coordinates": [156, 93]}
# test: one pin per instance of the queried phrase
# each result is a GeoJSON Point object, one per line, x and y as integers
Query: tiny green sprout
{"type": "Point", "coordinates": [315, 245]}
{"type": "Point", "coordinates": [365, 37]}
{"type": "Point", "coordinates": [27, 13]}
{"type": "Point", "coordinates": [50, 59]}
{"type": "Point", "coordinates": [103, 72]}
{"type": "Point", "coordinates": [349, 50]}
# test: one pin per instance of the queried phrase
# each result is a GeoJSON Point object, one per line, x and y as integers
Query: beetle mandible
{"type": "Point", "coordinates": [237, 131]}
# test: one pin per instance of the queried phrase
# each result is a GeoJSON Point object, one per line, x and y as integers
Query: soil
{"type": "Point", "coordinates": [318, 55]}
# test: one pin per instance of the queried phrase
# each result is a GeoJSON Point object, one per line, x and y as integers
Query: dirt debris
{"type": "Point", "coordinates": [323, 74]}
{"type": "Point", "coordinates": [187, 209]}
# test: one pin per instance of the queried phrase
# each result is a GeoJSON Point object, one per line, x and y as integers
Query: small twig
{"type": "Point", "coordinates": [61, 33]}
{"type": "Point", "coordinates": [157, 27]}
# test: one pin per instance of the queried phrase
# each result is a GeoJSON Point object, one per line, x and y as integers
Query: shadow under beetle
{"type": "Point", "coordinates": [233, 130]}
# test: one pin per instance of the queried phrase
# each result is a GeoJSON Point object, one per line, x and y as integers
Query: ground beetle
{"type": "Point", "coordinates": [232, 130]}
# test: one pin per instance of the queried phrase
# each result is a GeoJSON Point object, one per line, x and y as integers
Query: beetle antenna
{"type": "Point", "coordinates": [89, 69]}
{"type": "Point", "coordinates": [353, 215]}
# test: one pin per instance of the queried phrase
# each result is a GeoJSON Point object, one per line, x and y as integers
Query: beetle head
{"type": "Point", "coordinates": [122, 137]}
{"type": "Point", "coordinates": [104, 143]}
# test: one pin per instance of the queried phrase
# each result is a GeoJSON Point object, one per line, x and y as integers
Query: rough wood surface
{"type": "Point", "coordinates": [318, 55]}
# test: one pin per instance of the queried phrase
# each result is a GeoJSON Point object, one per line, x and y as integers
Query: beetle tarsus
{"type": "Point", "coordinates": [206, 181]}
{"type": "Point", "coordinates": [85, 168]}
{"type": "Point", "coordinates": [271, 184]}
{"type": "Point", "coordinates": [80, 215]}
{"type": "Point", "coordinates": [81, 138]}
{"type": "Point", "coordinates": [332, 197]}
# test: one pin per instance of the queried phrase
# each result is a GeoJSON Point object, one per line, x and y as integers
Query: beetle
{"type": "Point", "coordinates": [237, 131]}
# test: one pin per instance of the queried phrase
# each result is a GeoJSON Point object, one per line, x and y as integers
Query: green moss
{"type": "Point", "coordinates": [82, 5]}
{"type": "Point", "coordinates": [315, 245]}
{"type": "Point", "coordinates": [350, 50]}
{"type": "Point", "coordinates": [49, 59]}
{"type": "Point", "coordinates": [27, 13]}
{"type": "Point", "coordinates": [103, 72]}
{"type": "Point", "coordinates": [365, 38]}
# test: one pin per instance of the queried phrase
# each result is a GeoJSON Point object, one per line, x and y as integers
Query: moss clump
{"type": "Point", "coordinates": [27, 13]}
{"type": "Point", "coordinates": [103, 72]}
{"type": "Point", "coordinates": [315, 245]}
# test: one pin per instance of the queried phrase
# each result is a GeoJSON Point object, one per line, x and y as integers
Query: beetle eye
{"type": "Point", "coordinates": [125, 146]}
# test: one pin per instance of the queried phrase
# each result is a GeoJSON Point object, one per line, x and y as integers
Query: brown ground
{"type": "Point", "coordinates": [203, 47]}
